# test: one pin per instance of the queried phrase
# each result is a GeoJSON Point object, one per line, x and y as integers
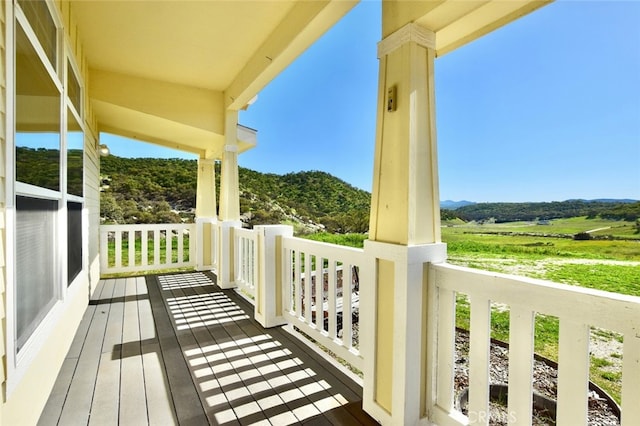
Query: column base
{"type": "Point", "coordinates": [225, 254]}
{"type": "Point", "coordinates": [205, 251]}
{"type": "Point", "coordinates": [394, 328]}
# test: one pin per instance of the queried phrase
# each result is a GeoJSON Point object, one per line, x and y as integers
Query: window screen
{"type": "Point", "coordinates": [35, 272]}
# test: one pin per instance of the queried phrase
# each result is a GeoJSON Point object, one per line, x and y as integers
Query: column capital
{"type": "Point", "coordinates": [410, 32]}
{"type": "Point", "coordinates": [231, 148]}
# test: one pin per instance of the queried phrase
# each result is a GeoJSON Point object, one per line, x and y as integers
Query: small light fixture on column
{"type": "Point", "coordinates": [392, 102]}
{"type": "Point", "coordinates": [104, 150]}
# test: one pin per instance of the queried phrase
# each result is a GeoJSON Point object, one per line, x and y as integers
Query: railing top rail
{"type": "Point", "coordinates": [245, 233]}
{"type": "Point", "coordinates": [618, 312]}
{"type": "Point", "coordinates": [325, 250]}
{"type": "Point", "coordinates": [146, 226]}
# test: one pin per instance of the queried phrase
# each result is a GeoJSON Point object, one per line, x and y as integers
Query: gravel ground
{"type": "Point", "coordinates": [545, 382]}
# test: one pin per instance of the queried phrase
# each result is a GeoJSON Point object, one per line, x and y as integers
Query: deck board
{"type": "Point", "coordinates": [133, 402]}
{"type": "Point", "coordinates": [175, 349]}
{"type": "Point", "coordinates": [106, 397]}
{"type": "Point", "coordinates": [185, 398]}
{"type": "Point", "coordinates": [160, 405]}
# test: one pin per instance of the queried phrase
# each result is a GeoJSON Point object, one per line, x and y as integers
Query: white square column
{"type": "Point", "coordinates": [404, 231]}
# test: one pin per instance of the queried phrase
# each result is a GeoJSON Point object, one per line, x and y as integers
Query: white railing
{"type": "Point", "coordinates": [136, 248]}
{"type": "Point", "coordinates": [321, 294]}
{"type": "Point", "coordinates": [246, 254]}
{"type": "Point", "coordinates": [577, 309]}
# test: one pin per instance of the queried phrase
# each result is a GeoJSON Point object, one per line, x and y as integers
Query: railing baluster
{"type": "Point", "coordinates": [238, 255]}
{"type": "Point", "coordinates": [286, 279]}
{"type": "Point", "coordinates": [479, 343]}
{"type": "Point", "coordinates": [144, 247]}
{"type": "Point", "coordinates": [118, 249]}
{"type": "Point", "coordinates": [132, 247]}
{"type": "Point", "coordinates": [168, 238]}
{"type": "Point", "coordinates": [307, 287]}
{"type": "Point", "coordinates": [254, 256]}
{"type": "Point", "coordinates": [297, 284]}
{"type": "Point", "coordinates": [244, 262]}
{"type": "Point", "coordinates": [251, 257]}
{"type": "Point", "coordinates": [319, 293]}
{"type": "Point", "coordinates": [247, 261]}
{"type": "Point", "coordinates": [347, 280]}
{"type": "Point", "coordinates": [446, 317]}
{"type": "Point", "coordinates": [521, 339]}
{"type": "Point", "coordinates": [180, 246]}
{"type": "Point", "coordinates": [156, 247]}
{"type": "Point", "coordinates": [573, 372]}
{"type": "Point", "coordinates": [630, 375]}
{"type": "Point", "coordinates": [331, 299]}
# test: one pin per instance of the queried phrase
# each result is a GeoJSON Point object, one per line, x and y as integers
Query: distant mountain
{"type": "Point", "coordinates": [611, 200]}
{"type": "Point", "coordinates": [453, 205]}
{"type": "Point", "coordinates": [511, 212]}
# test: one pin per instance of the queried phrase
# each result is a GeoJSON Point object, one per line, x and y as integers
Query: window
{"type": "Point", "coordinates": [75, 154]}
{"type": "Point", "coordinates": [39, 176]}
{"type": "Point", "coordinates": [37, 119]}
{"type": "Point", "coordinates": [35, 292]}
{"type": "Point", "coordinates": [74, 239]}
{"type": "Point", "coordinates": [41, 21]}
{"type": "Point", "coordinates": [73, 88]}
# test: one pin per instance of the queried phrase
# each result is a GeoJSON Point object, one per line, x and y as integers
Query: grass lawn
{"type": "Point", "coordinates": [609, 264]}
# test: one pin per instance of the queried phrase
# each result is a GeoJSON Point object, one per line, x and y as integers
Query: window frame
{"type": "Point", "coordinates": [18, 362]}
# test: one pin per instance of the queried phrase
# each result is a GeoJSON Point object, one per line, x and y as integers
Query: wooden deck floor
{"type": "Point", "coordinates": [176, 349]}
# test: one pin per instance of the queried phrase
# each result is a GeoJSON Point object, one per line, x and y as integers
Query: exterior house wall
{"type": "Point", "coordinates": [3, 177]}
{"type": "Point", "coordinates": [28, 380]}
{"type": "Point", "coordinates": [91, 151]}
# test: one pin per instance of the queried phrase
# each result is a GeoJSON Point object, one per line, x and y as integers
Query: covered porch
{"type": "Point", "coordinates": [271, 271]}
{"type": "Point", "coordinates": [179, 348]}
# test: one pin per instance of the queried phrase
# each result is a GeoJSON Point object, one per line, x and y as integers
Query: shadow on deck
{"type": "Point", "coordinates": [176, 349]}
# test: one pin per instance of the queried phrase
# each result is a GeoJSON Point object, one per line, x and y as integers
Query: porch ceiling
{"type": "Point", "coordinates": [165, 71]}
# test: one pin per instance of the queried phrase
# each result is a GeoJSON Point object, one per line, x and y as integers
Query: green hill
{"type": "Point", "coordinates": [148, 190]}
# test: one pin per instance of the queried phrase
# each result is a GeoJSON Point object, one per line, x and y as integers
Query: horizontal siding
{"type": "Point", "coordinates": [92, 196]}
{"type": "Point", "coordinates": [3, 201]}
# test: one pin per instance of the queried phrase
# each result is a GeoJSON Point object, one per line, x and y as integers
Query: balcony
{"type": "Point", "coordinates": [176, 346]}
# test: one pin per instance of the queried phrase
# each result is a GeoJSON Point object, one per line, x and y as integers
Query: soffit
{"type": "Point", "coordinates": [195, 43]}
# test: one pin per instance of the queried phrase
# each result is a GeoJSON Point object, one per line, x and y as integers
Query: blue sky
{"type": "Point", "coordinates": [545, 109]}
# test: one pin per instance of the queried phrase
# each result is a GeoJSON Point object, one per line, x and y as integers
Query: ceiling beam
{"type": "Point", "coordinates": [190, 106]}
{"type": "Point", "coordinates": [483, 20]}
